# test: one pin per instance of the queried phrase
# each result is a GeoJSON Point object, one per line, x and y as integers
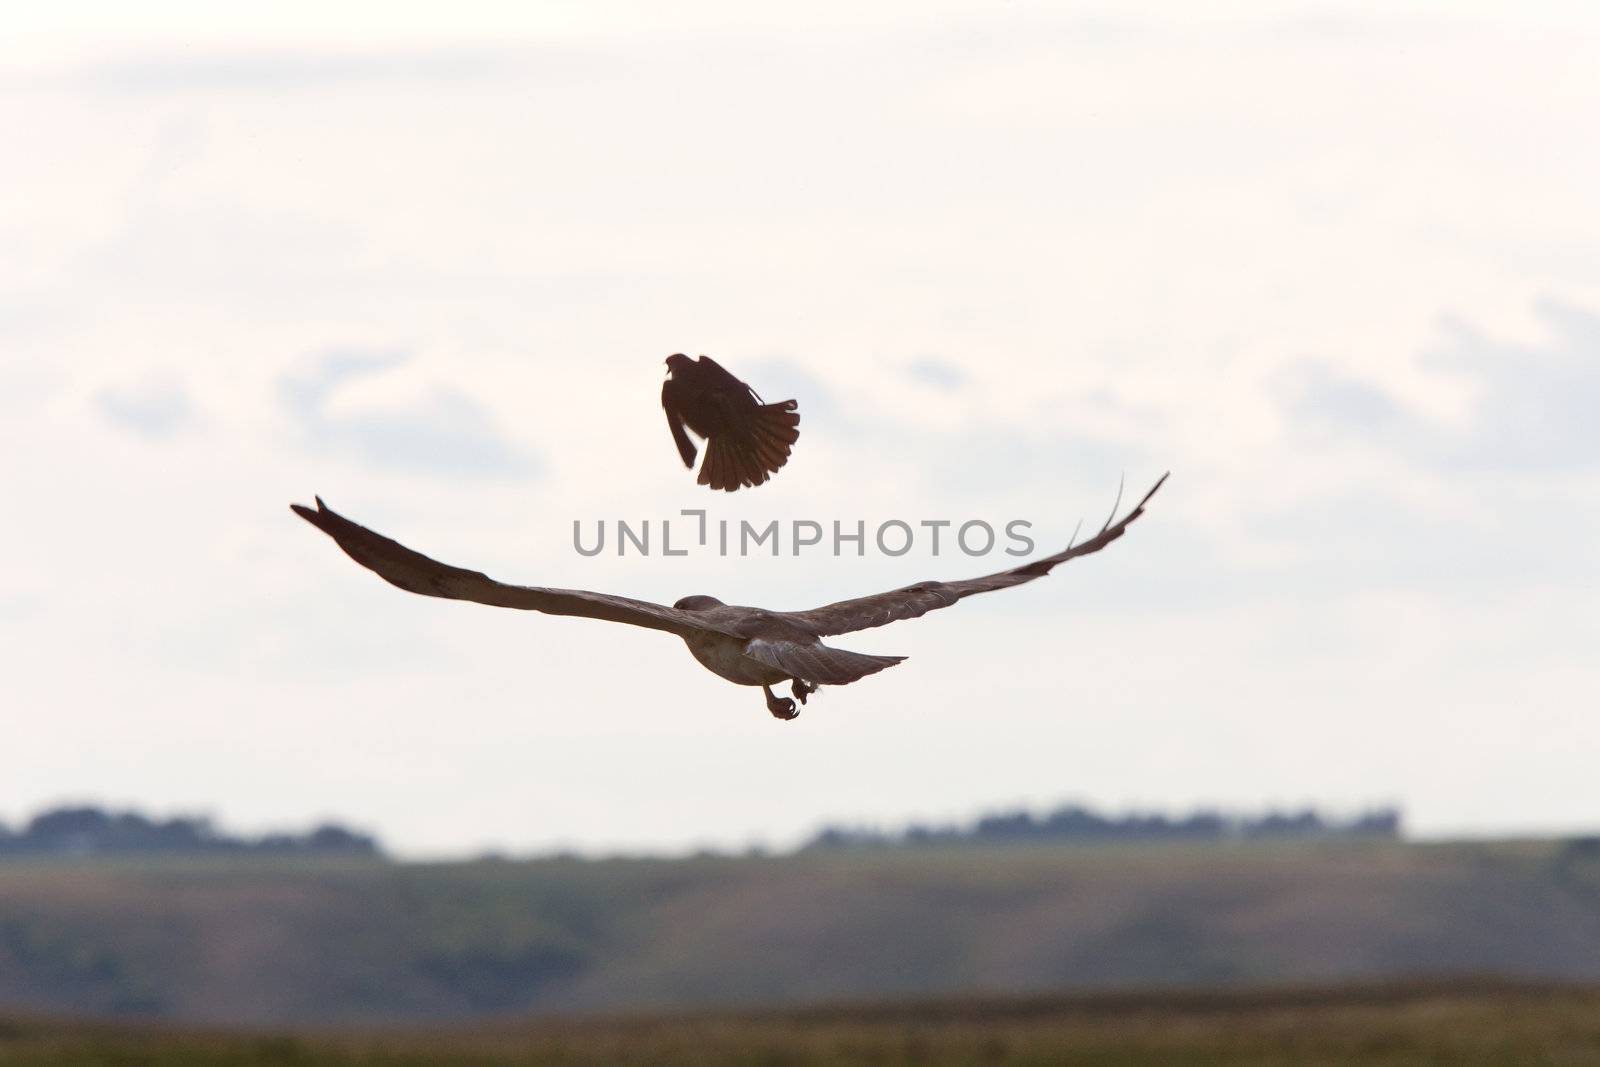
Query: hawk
{"type": "Point", "coordinates": [747, 646]}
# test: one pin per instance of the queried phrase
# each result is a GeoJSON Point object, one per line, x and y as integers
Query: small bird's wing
{"type": "Point", "coordinates": [416, 573]}
{"type": "Point", "coordinates": [672, 404]}
{"type": "Point", "coordinates": [864, 613]}
{"type": "Point", "coordinates": [714, 377]}
{"type": "Point", "coordinates": [815, 662]}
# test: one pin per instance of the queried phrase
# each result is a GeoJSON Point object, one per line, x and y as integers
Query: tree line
{"type": "Point", "coordinates": [91, 831]}
{"type": "Point", "coordinates": [1074, 823]}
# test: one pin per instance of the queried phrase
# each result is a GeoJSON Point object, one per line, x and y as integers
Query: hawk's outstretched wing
{"type": "Point", "coordinates": [864, 613]}
{"type": "Point", "coordinates": [416, 573]}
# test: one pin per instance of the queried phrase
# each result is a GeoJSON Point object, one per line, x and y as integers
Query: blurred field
{"type": "Point", "coordinates": [1462, 1023]}
{"type": "Point", "coordinates": [289, 944]}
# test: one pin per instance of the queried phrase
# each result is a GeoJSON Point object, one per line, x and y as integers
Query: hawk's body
{"type": "Point", "coordinates": [747, 440]}
{"type": "Point", "coordinates": [747, 646]}
{"type": "Point", "coordinates": [725, 657]}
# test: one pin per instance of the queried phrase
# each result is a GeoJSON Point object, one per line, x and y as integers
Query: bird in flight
{"type": "Point", "coordinates": [747, 439]}
{"type": "Point", "coordinates": [747, 646]}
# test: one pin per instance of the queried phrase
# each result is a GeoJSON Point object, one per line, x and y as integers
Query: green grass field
{"type": "Point", "coordinates": [1460, 1023]}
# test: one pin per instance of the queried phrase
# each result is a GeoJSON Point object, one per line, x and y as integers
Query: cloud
{"type": "Point", "coordinates": [19, 606]}
{"type": "Point", "coordinates": [1319, 395]}
{"type": "Point", "coordinates": [1442, 506]}
{"type": "Point", "coordinates": [281, 69]}
{"type": "Point", "coordinates": [1536, 403]}
{"type": "Point", "coordinates": [930, 370]}
{"type": "Point", "coordinates": [445, 432]}
{"type": "Point", "coordinates": [982, 461]}
{"type": "Point", "coordinates": [1381, 538]}
{"type": "Point", "coordinates": [1343, 29]}
{"type": "Point", "coordinates": [1533, 409]}
{"type": "Point", "coordinates": [155, 409]}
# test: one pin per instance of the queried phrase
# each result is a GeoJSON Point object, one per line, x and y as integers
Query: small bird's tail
{"type": "Point", "coordinates": [752, 451]}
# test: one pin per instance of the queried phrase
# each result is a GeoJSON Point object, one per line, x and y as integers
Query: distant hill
{"type": "Point", "coordinates": [1074, 824]}
{"type": "Point", "coordinates": [89, 831]}
{"type": "Point", "coordinates": [248, 938]}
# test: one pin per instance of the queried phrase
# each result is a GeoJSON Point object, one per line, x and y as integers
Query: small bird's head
{"type": "Point", "coordinates": [698, 602]}
{"type": "Point", "coordinates": [677, 362]}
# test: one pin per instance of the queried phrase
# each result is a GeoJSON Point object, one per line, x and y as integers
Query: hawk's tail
{"type": "Point", "coordinates": [753, 450]}
{"type": "Point", "coordinates": [816, 662]}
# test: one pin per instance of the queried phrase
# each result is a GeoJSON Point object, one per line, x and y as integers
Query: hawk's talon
{"type": "Point", "coordinates": [801, 690]}
{"type": "Point", "coordinates": [781, 707]}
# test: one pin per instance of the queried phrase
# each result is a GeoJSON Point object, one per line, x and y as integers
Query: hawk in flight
{"type": "Point", "coordinates": [747, 646]}
{"type": "Point", "coordinates": [747, 440]}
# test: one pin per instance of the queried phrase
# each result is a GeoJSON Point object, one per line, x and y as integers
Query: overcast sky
{"type": "Point", "coordinates": [1339, 273]}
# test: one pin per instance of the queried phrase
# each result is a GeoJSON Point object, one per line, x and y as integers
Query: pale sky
{"type": "Point", "coordinates": [1340, 273]}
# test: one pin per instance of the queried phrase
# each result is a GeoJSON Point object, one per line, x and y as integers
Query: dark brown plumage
{"type": "Point", "coordinates": [747, 440]}
{"type": "Point", "coordinates": [747, 646]}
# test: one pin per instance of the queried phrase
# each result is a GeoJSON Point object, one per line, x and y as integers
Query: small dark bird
{"type": "Point", "coordinates": [747, 439]}
{"type": "Point", "coordinates": [747, 646]}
